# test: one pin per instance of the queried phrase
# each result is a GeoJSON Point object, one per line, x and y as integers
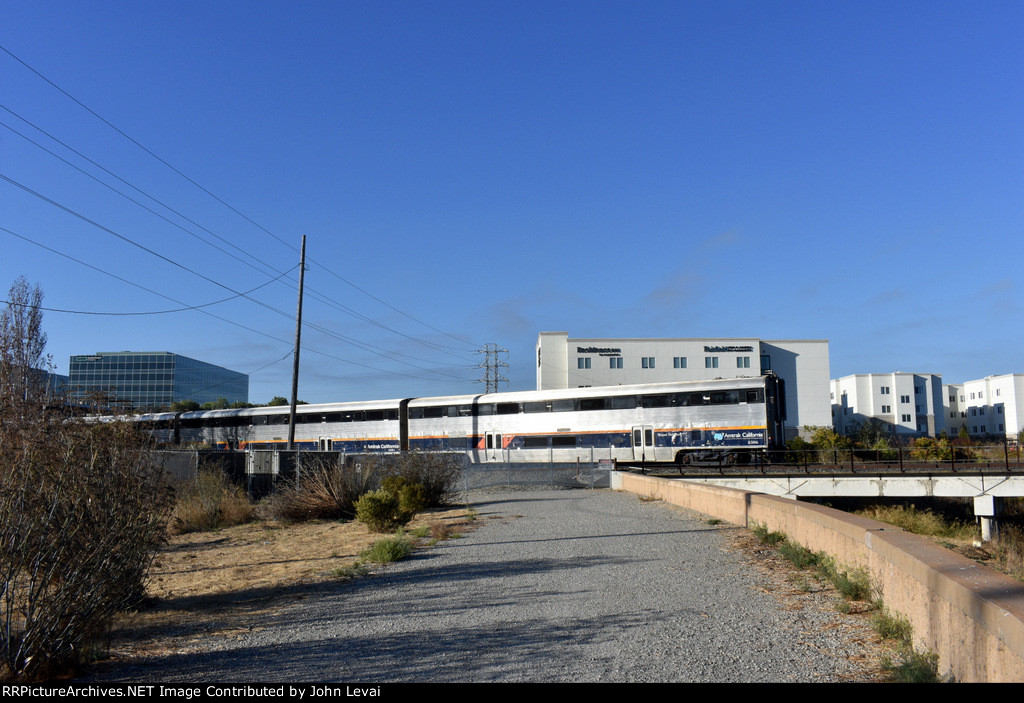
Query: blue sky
{"type": "Point", "coordinates": [476, 172]}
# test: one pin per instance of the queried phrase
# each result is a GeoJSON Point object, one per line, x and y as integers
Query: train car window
{"type": "Point", "coordinates": [725, 397]}
{"type": "Point", "coordinates": [563, 406]}
{"type": "Point", "coordinates": [755, 396]}
{"type": "Point", "coordinates": [507, 408]}
{"type": "Point", "coordinates": [699, 398]}
{"type": "Point", "coordinates": [391, 414]}
{"type": "Point", "coordinates": [415, 413]}
{"type": "Point", "coordinates": [484, 409]}
{"type": "Point", "coordinates": [374, 415]}
{"type": "Point", "coordinates": [540, 406]}
{"type": "Point", "coordinates": [657, 401]}
{"type": "Point", "coordinates": [277, 420]}
{"type": "Point", "coordinates": [352, 416]}
{"type": "Point", "coordinates": [563, 441]}
{"type": "Point", "coordinates": [460, 411]}
{"type": "Point", "coordinates": [593, 403]}
{"type": "Point", "coordinates": [680, 400]}
{"type": "Point", "coordinates": [623, 402]}
{"type": "Point", "coordinates": [434, 412]}
{"type": "Point", "coordinates": [259, 420]}
{"type": "Point", "coordinates": [535, 442]}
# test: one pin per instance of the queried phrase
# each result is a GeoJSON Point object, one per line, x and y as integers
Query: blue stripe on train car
{"type": "Point", "coordinates": [754, 437]}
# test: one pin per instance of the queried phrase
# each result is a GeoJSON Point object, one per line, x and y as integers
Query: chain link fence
{"type": "Point", "coordinates": [259, 470]}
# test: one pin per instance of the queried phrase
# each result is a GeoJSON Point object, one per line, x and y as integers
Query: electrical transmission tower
{"type": "Point", "coordinates": [493, 366]}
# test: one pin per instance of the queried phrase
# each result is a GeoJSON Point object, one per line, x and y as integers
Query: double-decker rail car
{"type": "Point", "coordinates": [720, 421]}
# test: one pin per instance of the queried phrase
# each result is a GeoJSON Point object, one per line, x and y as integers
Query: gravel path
{"type": "Point", "coordinates": [555, 586]}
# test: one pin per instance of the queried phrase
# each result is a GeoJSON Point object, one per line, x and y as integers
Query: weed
{"type": "Point", "coordinates": [441, 530]}
{"type": "Point", "coordinates": [714, 521]}
{"type": "Point", "coordinates": [852, 585]}
{"type": "Point", "coordinates": [649, 499]}
{"type": "Point", "coordinates": [388, 549]}
{"type": "Point", "coordinates": [350, 572]}
{"type": "Point", "coordinates": [420, 532]}
{"type": "Point", "coordinates": [764, 536]}
{"type": "Point", "coordinates": [892, 627]}
{"type": "Point", "coordinates": [801, 557]}
{"type": "Point", "coordinates": [921, 521]}
{"type": "Point", "coordinates": [471, 514]}
{"type": "Point", "coordinates": [913, 667]}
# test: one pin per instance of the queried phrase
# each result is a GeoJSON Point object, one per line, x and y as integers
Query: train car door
{"type": "Point", "coordinates": [643, 443]}
{"type": "Point", "coordinates": [326, 444]}
{"type": "Point", "coordinates": [493, 446]}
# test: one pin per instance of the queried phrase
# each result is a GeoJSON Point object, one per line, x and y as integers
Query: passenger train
{"type": "Point", "coordinates": [719, 421]}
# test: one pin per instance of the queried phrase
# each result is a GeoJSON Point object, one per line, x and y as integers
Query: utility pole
{"type": "Point", "coordinates": [492, 366]}
{"type": "Point", "coordinates": [295, 354]}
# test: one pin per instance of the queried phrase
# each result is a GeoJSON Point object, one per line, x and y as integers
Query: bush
{"type": "Point", "coordinates": [325, 489]}
{"type": "Point", "coordinates": [388, 550]}
{"type": "Point", "coordinates": [209, 502]}
{"type": "Point", "coordinates": [438, 474]}
{"type": "Point", "coordinates": [391, 507]}
{"type": "Point", "coordinates": [82, 512]}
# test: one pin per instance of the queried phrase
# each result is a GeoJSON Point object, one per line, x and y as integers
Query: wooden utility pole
{"type": "Point", "coordinates": [295, 354]}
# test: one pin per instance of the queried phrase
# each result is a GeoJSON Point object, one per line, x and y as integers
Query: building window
{"type": "Point", "coordinates": [905, 418]}
{"type": "Point", "coordinates": [918, 390]}
{"type": "Point", "coordinates": [885, 390]}
{"type": "Point", "coordinates": [981, 411]}
{"type": "Point", "coordinates": [615, 362]}
{"type": "Point", "coordinates": [679, 362]}
{"type": "Point", "coordinates": [583, 362]}
{"type": "Point", "coordinates": [711, 362]}
{"type": "Point", "coordinates": [647, 362]}
{"type": "Point", "coordinates": [886, 409]}
{"type": "Point", "coordinates": [766, 362]}
{"type": "Point", "coordinates": [904, 398]}
{"type": "Point", "coordinates": [743, 362]}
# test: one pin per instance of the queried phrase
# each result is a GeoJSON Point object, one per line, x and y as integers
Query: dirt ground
{"type": "Point", "coordinates": [223, 582]}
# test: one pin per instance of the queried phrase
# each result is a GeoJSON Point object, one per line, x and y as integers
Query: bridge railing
{"type": "Point", "coordinates": [938, 455]}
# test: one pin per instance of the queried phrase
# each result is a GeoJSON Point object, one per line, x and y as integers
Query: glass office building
{"type": "Point", "coordinates": [152, 380]}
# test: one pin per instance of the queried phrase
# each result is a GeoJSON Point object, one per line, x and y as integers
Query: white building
{"type": "Point", "coordinates": [993, 405]}
{"type": "Point", "coordinates": [905, 403]}
{"type": "Point", "coordinates": [802, 363]}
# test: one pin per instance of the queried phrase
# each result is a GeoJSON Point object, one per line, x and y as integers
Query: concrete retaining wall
{"type": "Point", "coordinates": [971, 616]}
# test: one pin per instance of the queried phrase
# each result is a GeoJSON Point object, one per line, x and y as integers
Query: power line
{"type": "Point", "coordinates": [213, 196]}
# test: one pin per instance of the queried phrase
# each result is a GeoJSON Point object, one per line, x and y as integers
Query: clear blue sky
{"type": "Point", "coordinates": [843, 170]}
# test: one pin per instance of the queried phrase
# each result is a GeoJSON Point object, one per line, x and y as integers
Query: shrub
{"type": "Point", "coordinates": [209, 502]}
{"type": "Point", "coordinates": [388, 550]}
{"type": "Point", "coordinates": [325, 489]}
{"type": "Point", "coordinates": [391, 507]}
{"type": "Point", "coordinates": [437, 474]}
{"type": "Point", "coordinates": [82, 512]}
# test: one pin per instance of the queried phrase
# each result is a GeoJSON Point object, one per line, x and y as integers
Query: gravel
{"type": "Point", "coordinates": [554, 586]}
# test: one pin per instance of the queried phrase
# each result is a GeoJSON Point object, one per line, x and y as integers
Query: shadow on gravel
{"type": "Point", "coordinates": [486, 653]}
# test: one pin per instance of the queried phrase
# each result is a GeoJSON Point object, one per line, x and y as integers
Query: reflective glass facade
{"type": "Point", "coordinates": [151, 380]}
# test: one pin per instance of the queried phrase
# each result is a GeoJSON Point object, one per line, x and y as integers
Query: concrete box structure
{"type": "Point", "coordinates": [803, 364]}
{"type": "Point", "coordinates": [151, 380]}
{"type": "Point", "coordinates": [904, 403]}
{"type": "Point", "coordinates": [990, 406]}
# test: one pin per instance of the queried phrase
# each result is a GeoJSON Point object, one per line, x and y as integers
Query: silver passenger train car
{"type": "Point", "coordinates": [720, 421]}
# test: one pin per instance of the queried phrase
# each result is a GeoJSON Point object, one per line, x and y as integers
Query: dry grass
{"type": "Point", "coordinates": [222, 583]}
{"type": "Point", "coordinates": [210, 502]}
